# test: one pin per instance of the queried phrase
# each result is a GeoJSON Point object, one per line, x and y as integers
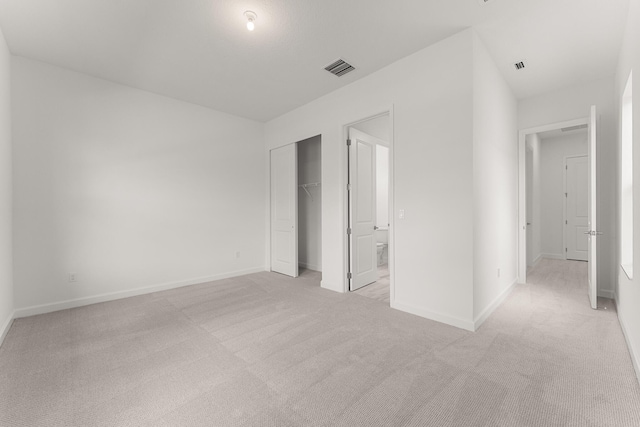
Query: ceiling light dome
{"type": "Point", "coordinates": [251, 17]}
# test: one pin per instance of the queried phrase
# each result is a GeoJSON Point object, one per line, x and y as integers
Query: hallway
{"type": "Point", "coordinates": [564, 283]}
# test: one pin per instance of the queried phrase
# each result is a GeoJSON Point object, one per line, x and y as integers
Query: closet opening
{"type": "Point", "coordinates": [310, 206]}
{"type": "Point", "coordinates": [296, 208]}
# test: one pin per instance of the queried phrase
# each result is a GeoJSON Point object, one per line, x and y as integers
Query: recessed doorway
{"type": "Point", "coordinates": [557, 187]}
{"type": "Point", "coordinates": [557, 195]}
{"type": "Point", "coordinates": [369, 230]}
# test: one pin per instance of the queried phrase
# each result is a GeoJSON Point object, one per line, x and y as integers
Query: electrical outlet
{"type": "Point", "coordinates": [498, 272]}
{"type": "Point", "coordinates": [401, 214]}
{"type": "Point", "coordinates": [73, 277]}
{"type": "Point", "coordinates": [237, 254]}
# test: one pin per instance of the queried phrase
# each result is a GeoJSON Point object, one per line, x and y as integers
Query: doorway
{"type": "Point", "coordinates": [557, 190]}
{"type": "Point", "coordinates": [369, 176]}
{"type": "Point", "coordinates": [310, 205]}
{"type": "Point", "coordinates": [557, 178]}
{"type": "Point", "coordinates": [296, 208]}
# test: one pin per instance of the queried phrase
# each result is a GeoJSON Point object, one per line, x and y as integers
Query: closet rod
{"type": "Point", "coordinates": [311, 184]}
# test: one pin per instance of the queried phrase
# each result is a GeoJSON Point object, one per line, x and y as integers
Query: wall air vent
{"type": "Point", "coordinates": [339, 68]}
{"type": "Point", "coordinates": [519, 65]}
{"type": "Point", "coordinates": [569, 129]}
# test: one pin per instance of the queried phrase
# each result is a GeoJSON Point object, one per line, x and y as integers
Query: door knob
{"type": "Point", "coordinates": [375, 227]}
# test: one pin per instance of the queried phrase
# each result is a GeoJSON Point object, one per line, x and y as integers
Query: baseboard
{"type": "Point", "coordinates": [432, 315]}
{"type": "Point", "coordinates": [309, 266]}
{"type": "Point", "coordinates": [5, 327]}
{"type": "Point", "coordinates": [606, 293]}
{"type": "Point", "coordinates": [537, 260]}
{"type": "Point", "coordinates": [79, 302]}
{"type": "Point", "coordinates": [553, 256]}
{"type": "Point", "coordinates": [492, 307]}
{"type": "Point", "coordinates": [634, 356]}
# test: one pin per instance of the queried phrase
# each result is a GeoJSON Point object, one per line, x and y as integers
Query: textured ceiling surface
{"type": "Point", "coordinates": [201, 52]}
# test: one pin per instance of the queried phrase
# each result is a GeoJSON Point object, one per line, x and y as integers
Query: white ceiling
{"type": "Point", "coordinates": [200, 51]}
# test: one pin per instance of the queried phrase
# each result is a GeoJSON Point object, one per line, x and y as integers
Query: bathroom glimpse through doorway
{"type": "Point", "coordinates": [369, 224]}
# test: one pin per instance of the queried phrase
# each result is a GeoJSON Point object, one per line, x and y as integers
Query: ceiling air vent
{"type": "Point", "coordinates": [569, 129]}
{"type": "Point", "coordinates": [519, 65]}
{"type": "Point", "coordinates": [339, 67]}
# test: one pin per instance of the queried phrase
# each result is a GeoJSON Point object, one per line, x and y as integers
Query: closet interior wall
{"type": "Point", "coordinates": [309, 204]}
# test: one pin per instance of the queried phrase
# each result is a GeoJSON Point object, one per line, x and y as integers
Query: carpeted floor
{"type": "Point", "coordinates": [267, 350]}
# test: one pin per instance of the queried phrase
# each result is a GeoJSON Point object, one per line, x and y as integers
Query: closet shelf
{"type": "Point", "coordinates": [310, 184]}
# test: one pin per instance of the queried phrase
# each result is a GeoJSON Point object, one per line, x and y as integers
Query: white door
{"type": "Point", "coordinates": [576, 208]}
{"type": "Point", "coordinates": [362, 209]}
{"type": "Point", "coordinates": [284, 210]}
{"type": "Point", "coordinates": [592, 221]}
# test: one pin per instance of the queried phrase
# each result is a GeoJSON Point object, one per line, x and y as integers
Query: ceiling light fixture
{"type": "Point", "coordinates": [251, 17]}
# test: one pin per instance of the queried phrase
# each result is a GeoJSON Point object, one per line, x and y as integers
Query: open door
{"type": "Point", "coordinates": [576, 208]}
{"type": "Point", "coordinates": [362, 209]}
{"type": "Point", "coordinates": [284, 210]}
{"type": "Point", "coordinates": [592, 212]}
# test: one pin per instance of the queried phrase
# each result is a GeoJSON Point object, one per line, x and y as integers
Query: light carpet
{"type": "Point", "coordinates": [267, 350]}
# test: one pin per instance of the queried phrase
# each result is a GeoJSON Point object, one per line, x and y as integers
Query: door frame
{"type": "Point", "coordinates": [522, 189]}
{"type": "Point", "coordinates": [529, 215]}
{"type": "Point", "coordinates": [564, 206]}
{"type": "Point", "coordinates": [345, 172]}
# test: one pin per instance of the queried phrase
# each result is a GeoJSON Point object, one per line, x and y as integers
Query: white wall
{"type": "Point", "coordinates": [6, 268]}
{"type": "Point", "coordinates": [628, 291]}
{"type": "Point", "coordinates": [573, 103]}
{"type": "Point", "coordinates": [127, 189]}
{"type": "Point", "coordinates": [431, 96]}
{"type": "Point", "coordinates": [552, 200]}
{"type": "Point", "coordinates": [382, 187]}
{"type": "Point", "coordinates": [454, 172]}
{"type": "Point", "coordinates": [309, 207]}
{"type": "Point", "coordinates": [534, 211]}
{"type": "Point", "coordinates": [495, 185]}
